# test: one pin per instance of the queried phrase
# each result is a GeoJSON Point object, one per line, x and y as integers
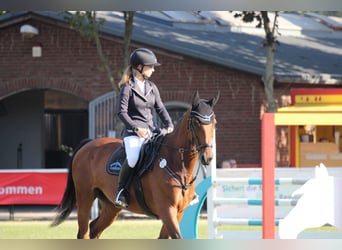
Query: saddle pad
{"type": "Point", "coordinates": [147, 157]}
{"type": "Point", "coordinates": [116, 160]}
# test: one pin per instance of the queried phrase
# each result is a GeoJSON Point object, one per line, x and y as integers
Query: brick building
{"type": "Point", "coordinates": [44, 100]}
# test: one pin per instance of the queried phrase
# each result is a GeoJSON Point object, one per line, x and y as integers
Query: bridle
{"type": "Point", "coordinates": [203, 119]}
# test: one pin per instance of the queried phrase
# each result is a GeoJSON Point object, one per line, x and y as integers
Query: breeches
{"type": "Point", "coordinates": [133, 145]}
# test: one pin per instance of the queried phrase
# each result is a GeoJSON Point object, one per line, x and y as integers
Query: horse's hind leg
{"type": "Point", "coordinates": [108, 215]}
{"type": "Point", "coordinates": [84, 204]}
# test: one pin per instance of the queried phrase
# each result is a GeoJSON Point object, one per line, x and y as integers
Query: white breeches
{"type": "Point", "coordinates": [132, 146]}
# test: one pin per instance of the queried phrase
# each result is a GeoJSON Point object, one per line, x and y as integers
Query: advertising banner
{"type": "Point", "coordinates": [32, 187]}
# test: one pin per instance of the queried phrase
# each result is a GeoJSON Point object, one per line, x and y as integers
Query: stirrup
{"type": "Point", "coordinates": [121, 203]}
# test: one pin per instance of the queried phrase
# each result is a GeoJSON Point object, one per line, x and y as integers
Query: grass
{"type": "Point", "coordinates": [120, 229]}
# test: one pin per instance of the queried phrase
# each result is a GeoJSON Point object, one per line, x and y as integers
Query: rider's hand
{"type": "Point", "coordinates": [142, 132]}
{"type": "Point", "coordinates": [169, 130]}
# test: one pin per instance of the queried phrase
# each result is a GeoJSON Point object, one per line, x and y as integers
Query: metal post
{"type": "Point", "coordinates": [20, 156]}
{"type": "Point", "coordinates": [211, 211]}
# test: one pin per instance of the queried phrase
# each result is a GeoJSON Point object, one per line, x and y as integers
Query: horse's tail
{"type": "Point", "coordinates": [69, 197]}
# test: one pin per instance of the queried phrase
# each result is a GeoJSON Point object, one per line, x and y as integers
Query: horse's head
{"type": "Point", "coordinates": [314, 208]}
{"type": "Point", "coordinates": [202, 124]}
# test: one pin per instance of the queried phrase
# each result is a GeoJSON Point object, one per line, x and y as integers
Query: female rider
{"type": "Point", "coordinates": [138, 98]}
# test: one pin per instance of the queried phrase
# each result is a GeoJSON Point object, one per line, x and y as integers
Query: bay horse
{"type": "Point", "coordinates": [168, 187]}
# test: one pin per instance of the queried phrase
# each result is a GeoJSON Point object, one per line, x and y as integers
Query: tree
{"type": "Point", "coordinates": [87, 23]}
{"type": "Point", "coordinates": [128, 16]}
{"type": "Point", "coordinates": [270, 41]}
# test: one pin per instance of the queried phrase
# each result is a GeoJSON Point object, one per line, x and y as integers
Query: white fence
{"type": "Point", "coordinates": [103, 120]}
{"type": "Point", "coordinates": [235, 197]}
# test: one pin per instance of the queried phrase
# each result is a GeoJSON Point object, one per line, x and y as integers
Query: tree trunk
{"type": "Point", "coordinates": [268, 77]}
{"type": "Point", "coordinates": [104, 61]}
{"type": "Point", "coordinates": [269, 81]}
{"type": "Point", "coordinates": [128, 16]}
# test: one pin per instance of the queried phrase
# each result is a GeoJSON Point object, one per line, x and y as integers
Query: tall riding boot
{"type": "Point", "coordinates": [125, 177]}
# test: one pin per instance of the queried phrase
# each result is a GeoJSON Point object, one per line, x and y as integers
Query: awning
{"type": "Point", "coordinates": [309, 114]}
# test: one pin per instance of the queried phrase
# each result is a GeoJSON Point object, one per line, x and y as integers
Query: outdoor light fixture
{"type": "Point", "coordinates": [28, 30]}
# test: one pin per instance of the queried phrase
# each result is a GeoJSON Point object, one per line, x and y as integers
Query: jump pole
{"type": "Point", "coordinates": [268, 160]}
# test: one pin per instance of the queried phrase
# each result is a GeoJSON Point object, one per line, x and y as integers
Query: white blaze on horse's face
{"type": "Point", "coordinates": [318, 205]}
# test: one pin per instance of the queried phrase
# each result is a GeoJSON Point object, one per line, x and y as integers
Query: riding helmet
{"type": "Point", "coordinates": [144, 57]}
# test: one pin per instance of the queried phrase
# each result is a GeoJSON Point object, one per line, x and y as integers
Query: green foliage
{"type": "Point", "coordinates": [249, 17]}
{"type": "Point", "coordinates": [67, 149]}
{"type": "Point", "coordinates": [85, 22]}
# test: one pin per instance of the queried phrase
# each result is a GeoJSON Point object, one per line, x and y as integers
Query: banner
{"type": "Point", "coordinates": [32, 187]}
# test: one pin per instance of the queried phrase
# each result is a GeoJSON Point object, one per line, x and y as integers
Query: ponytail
{"type": "Point", "coordinates": [126, 76]}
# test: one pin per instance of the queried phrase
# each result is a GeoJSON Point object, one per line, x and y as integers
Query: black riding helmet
{"type": "Point", "coordinates": [144, 57]}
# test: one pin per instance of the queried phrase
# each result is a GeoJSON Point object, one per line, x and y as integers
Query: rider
{"type": "Point", "coordinates": [138, 98]}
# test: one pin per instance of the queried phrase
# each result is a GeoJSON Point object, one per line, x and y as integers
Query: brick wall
{"type": "Point", "coordinates": [70, 63]}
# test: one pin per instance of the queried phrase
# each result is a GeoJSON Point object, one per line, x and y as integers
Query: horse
{"type": "Point", "coordinates": [319, 205]}
{"type": "Point", "coordinates": [168, 186]}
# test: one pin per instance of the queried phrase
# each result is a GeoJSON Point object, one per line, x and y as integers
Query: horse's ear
{"type": "Point", "coordinates": [321, 171]}
{"type": "Point", "coordinates": [214, 100]}
{"type": "Point", "coordinates": [196, 99]}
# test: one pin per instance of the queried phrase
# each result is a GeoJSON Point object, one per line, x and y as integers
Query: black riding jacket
{"type": "Point", "coordinates": [135, 109]}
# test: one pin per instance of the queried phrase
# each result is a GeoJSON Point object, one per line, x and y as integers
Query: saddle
{"type": "Point", "coordinates": [147, 156]}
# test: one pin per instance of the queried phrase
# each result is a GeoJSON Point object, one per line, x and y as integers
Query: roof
{"type": "Point", "coordinates": [310, 48]}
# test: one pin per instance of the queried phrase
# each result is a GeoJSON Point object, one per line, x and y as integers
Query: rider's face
{"type": "Point", "coordinates": [148, 70]}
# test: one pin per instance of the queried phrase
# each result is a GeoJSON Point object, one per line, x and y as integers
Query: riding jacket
{"type": "Point", "coordinates": [135, 108]}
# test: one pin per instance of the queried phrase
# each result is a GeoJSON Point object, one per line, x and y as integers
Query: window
{"type": "Point", "coordinates": [63, 128]}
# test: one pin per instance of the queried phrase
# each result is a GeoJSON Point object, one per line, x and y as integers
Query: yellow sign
{"type": "Point", "coordinates": [318, 99]}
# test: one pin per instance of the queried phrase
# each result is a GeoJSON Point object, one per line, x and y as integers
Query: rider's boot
{"type": "Point", "coordinates": [125, 177]}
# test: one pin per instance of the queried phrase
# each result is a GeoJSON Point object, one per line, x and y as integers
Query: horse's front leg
{"type": "Point", "coordinates": [164, 233]}
{"type": "Point", "coordinates": [170, 226]}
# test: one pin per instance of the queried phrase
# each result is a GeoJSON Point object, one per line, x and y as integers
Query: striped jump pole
{"type": "Point", "coordinates": [241, 222]}
{"type": "Point", "coordinates": [253, 202]}
{"type": "Point", "coordinates": [258, 181]}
